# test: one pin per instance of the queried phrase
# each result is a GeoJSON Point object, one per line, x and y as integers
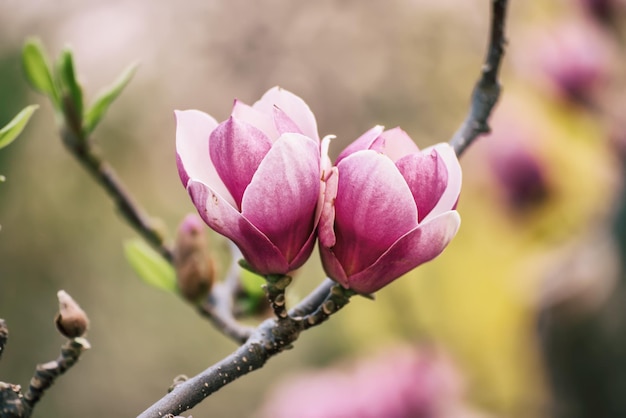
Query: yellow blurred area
{"type": "Point", "coordinates": [479, 298]}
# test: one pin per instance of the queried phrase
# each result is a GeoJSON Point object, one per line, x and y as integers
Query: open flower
{"type": "Point", "coordinates": [389, 207]}
{"type": "Point", "coordinates": [255, 178]}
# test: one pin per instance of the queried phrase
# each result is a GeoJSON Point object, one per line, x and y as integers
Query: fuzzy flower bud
{"type": "Point", "coordinates": [194, 266]}
{"type": "Point", "coordinates": [71, 321]}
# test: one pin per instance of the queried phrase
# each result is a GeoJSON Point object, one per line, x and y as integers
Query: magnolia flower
{"type": "Point", "coordinates": [256, 177]}
{"type": "Point", "coordinates": [389, 207]}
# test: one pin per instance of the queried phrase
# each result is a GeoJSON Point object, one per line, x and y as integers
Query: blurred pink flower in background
{"type": "Point", "coordinates": [389, 207]}
{"type": "Point", "coordinates": [255, 178]}
{"type": "Point", "coordinates": [520, 174]}
{"type": "Point", "coordinates": [572, 58]}
{"type": "Point", "coordinates": [400, 382]}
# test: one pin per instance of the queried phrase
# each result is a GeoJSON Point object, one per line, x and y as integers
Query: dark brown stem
{"type": "Point", "coordinates": [487, 89]}
{"type": "Point", "coordinates": [267, 340]}
{"type": "Point", "coordinates": [46, 374]}
{"type": "Point", "coordinates": [275, 291]}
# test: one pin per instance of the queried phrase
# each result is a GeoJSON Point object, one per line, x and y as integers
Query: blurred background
{"type": "Point", "coordinates": [522, 316]}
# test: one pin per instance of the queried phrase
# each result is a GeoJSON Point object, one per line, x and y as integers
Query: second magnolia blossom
{"type": "Point", "coordinates": [389, 207]}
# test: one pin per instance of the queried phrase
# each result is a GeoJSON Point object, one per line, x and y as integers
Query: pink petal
{"type": "Point", "coordinates": [451, 194]}
{"type": "Point", "coordinates": [363, 142]}
{"type": "Point", "coordinates": [282, 197]}
{"type": "Point", "coordinates": [332, 266]}
{"type": "Point", "coordinates": [256, 118]}
{"type": "Point", "coordinates": [427, 177]}
{"type": "Point", "coordinates": [420, 245]}
{"type": "Point", "coordinates": [326, 229]}
{"type": "Point", "coordinates": [397, 144]}
{"type": "Point", "coordinates": [256, 248]}
{"type": "Point", "coordinates": [374, 207]}
{"type": "Point", "coordinates": [193, 129]}
{"type": "Point", "coordinates": [236, 150]}
{"type": "Point", "coordinates": [293, 106]}
{"type": "Point", "coordinates": [283, 122]}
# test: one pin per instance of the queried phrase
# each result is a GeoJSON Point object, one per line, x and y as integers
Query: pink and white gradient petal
{"type": "Point", "coordinates": [427, 177]}
{"type": "Point", "coordinates": [293, 106]}
{"type": "Point", "coordinates": [420, 245]}
{"type": "Point", "coordinates": [375, 208]}
{"type": "Point", "coordinates": [282, 197]}
{"type": "Point", "coordinates": [222, 217]}
{"type": "Point", "coordinates": [237, 149]}
{"type": "Point", "coordinates": [450, 196]}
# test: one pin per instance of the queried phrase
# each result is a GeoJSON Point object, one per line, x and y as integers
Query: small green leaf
{"type": "Point", "coordinates": [252, 283]}
{"type": "Point", "coordinates": [38, 70]}
{"type": "Point", "coordinates": [10, 131]}
{"type": "Point", "coordinates": [150, 266]}
{"type": "Point", "coordinates": [70, 87]}
{"type": "Point", "coordinates": [95, 113]}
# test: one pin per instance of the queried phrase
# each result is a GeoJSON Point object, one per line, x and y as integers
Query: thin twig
{"type": "Point", "coordinates": [46, 374]}
{"type": "Point", "coordinates": [85, 152]}
{"type": "Point", "coordinates": [487, 89]}
{"type": "Point", "coordinates": [218, 309]}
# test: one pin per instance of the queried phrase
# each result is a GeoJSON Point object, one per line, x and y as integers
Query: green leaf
{"type": "Point", "coordinates": [9, 132]}
{"type": "Point", "coordinates": [150, 266]}
{"type": "Point", "coordinates": [38, 71]}
{"type": "Point", "coordinates": [95, 113]}
{"type": "Point", "coordinates": [251, 283]}
{"type": "Point", "coordinates": [70, 87]}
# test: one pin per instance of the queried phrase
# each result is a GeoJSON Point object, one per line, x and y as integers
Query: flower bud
{"type": "Point", "coordinates": [71, 321]}
{"type": "Point", "coordinates": [194, 266]}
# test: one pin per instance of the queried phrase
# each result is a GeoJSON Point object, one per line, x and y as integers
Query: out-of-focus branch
{"type": "Point", "coordinates": [218, 308]}
{"type": "Point", "coordinates": [4, 335]}
{"type": "Point", "coordinates": [487, 89]}
{"type": "Point", "coordinates": [47, 373]}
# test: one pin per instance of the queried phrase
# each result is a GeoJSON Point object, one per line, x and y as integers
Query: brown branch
{"type": "Point", "coordinates": [47, 373]}
{"type": "Point", "coordinates": [85, 152]}
{"type": "Point", "coordinates": [487, 89]}
{"type": "Point", "coordinates": [270, 338]}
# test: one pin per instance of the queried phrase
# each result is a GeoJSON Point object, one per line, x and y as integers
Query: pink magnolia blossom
{"type": "Point", "coordinates": [256, 177]}
{"type": "Point", "coordinates": [389, 207]}
{"type": "Point", "coordinates": [399, 382]}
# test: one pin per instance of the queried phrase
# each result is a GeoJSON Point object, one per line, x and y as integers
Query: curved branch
{"type": "Point", "coordinates": [47, 373]}
{"type": "Point", "coordinates": [487, 89]}
{"type": "Point", "coordinates": [269, 339]}
{"type": "Point", "coordinates": [81, 147]}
